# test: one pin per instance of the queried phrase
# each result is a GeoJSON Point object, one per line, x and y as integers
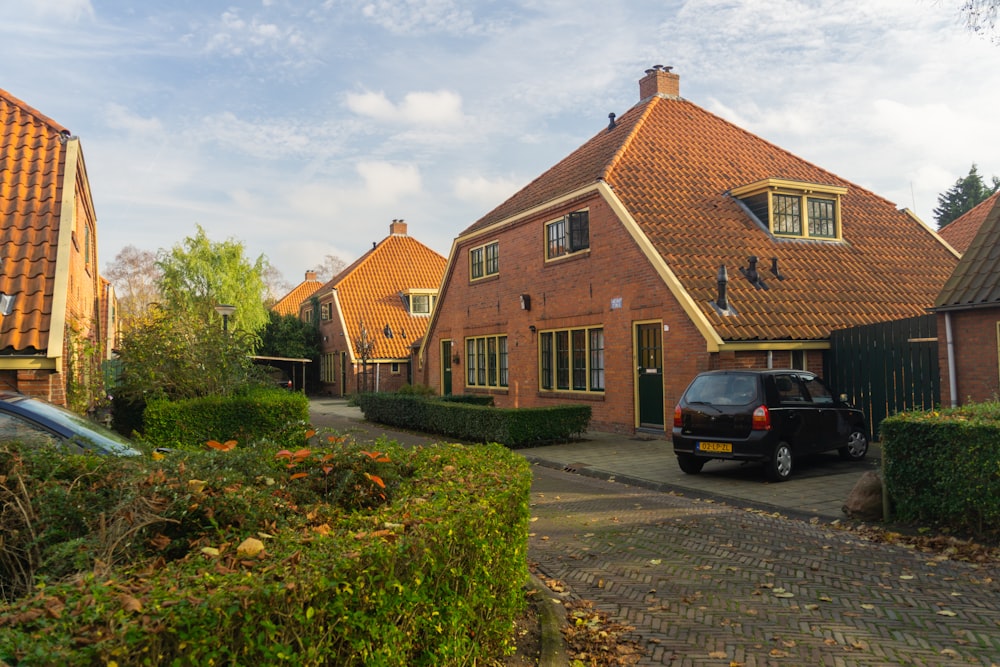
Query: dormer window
{"type": "Point", "coordinates": [793, 209]}
{"type": "Point", "coordinates": [419, 301]}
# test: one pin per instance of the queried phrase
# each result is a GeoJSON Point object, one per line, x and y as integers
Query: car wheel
{"type": "Point", "coordinates": [690, 464]}
{"type": "Point", "coordinates": [780, 466]}
{"type": "Point", "coordinates": [856, 447]}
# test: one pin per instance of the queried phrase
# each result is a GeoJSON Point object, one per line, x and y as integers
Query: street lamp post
{"type": "Point", "coordinates": [225, 311]}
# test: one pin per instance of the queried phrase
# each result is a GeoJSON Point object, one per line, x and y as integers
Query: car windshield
{"type": "Point", "coordinates": [86, 433]}
{"type": "Point", "coordinates": [723, 389]}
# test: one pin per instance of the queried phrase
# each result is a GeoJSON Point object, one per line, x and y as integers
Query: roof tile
{"type": "Point", "coordinates": [31, 163]}
{"type": "Point", "coordinates": [672, 165]}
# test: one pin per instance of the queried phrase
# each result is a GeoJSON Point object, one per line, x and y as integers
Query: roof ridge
{"type": "Point", "coordinates": [633, 132]}
{"type": "Point", "coordinates": [24, 106]}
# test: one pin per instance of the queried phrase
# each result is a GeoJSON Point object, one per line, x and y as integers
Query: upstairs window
{"type": "Point", "coordinates": [325, 311]}
{"type": "Point", "coordinates": [567, 235]}
{"type": "Point", "coordinates": [792, 209]}
{"type": "Point", "coordinates": [484, 260]}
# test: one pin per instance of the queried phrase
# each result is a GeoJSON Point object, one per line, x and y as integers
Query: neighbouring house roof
{"type": "Point", "coordinates": [289, 304]}
{"type": "Point", "coordinates": [369, 291]}
{"type": "Point", "coordinates": [960, 231]}
{"type": "Point", "coordinates": [672, 165]}
{"type": "Point", "coordinates": [33, 150]}
{"type": "Point", "coordinates": [975, 282]}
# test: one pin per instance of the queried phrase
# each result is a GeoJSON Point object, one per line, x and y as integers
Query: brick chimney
{"type": "Point", "coordinates": [397, 228]}
{"type": "Point", "coordinates": [310, 275]}
{"type": "Point", "coordinates": [659, 80]}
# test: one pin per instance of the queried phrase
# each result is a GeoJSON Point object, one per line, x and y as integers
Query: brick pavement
{"type": "Point", "coordinates": [707, 583]}
{"type": "Point", "coordinates": [716, 570]}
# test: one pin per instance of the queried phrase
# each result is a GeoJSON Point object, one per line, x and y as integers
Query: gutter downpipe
{"type": "Point", "coordinates": [950, 342]}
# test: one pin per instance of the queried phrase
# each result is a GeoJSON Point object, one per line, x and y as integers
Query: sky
{"type": "Point", "coordinates": [303, 129]}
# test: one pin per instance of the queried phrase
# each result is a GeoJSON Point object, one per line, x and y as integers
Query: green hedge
{"type": "Point", "coordinates": [260, 414]}
{"type": "Point", "coordinates": [514, 427]}
{"type": "Point", "coordinates": [943, 467]}
{"type": "Point", "coordinates": [432, 577]}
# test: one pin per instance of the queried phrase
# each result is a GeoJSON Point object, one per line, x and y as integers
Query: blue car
{"type": "Point", "coordinates": [33, 421]}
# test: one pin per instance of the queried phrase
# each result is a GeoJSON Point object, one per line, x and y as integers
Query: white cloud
{"type": "Point", "coordinates": [442, 107]}
{"type": "Point", "coordinates": [119, 117]}
{"type": "Point", "coordinates": [69, 11]}
{"type": "Point", "coordinates": [483, 191]}
{"type": "Point", "coordinates": [389, 181]}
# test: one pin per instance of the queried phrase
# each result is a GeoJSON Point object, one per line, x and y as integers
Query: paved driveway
{"type": "Point", "coordinates": [710, 584]}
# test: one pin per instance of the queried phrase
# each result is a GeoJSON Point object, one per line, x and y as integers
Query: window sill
{"type": "Point", "coordinates": [568, 257]}
{"type": "Point", "coordinates": [594, 396]}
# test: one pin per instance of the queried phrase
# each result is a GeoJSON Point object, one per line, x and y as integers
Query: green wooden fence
{"type": "Point", "coordinates": [887, 367]}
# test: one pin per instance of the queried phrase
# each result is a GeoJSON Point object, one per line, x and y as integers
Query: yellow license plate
{"type": "Point", "coordinates": [725, 447]}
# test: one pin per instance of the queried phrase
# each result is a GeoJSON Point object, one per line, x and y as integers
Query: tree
{"type": "Point", "coordinates": [288, 336]}
{"type": "Point", "coordinates": [981, 16]}
{"type": "Point", "coordinates": [963, 197]}
{"type": "Point", "coordinates": [134, 275]}
{"type": "Point", "coordinates": [200, 274]}
{"type": "Point", "coordinates": [331, 266]}
{"type": "Point", "coordinates": [178, 355]}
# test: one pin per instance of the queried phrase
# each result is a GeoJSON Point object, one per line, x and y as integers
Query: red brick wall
{"type": "Point", "coordinates": [574, 292]}
{"type": "Point", "coordinates": [977, 369]}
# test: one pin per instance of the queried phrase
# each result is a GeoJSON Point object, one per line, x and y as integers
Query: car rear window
{"type": "Point", "coordinates": [728, 389]}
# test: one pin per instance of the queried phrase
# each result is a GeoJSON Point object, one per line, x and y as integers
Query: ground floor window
{"type": "Point", "coordinates": [572, 359]}
{"type": "Point", "coordinates": [328, 367]}
{"type": "Point", "coordinates": [486, 361]}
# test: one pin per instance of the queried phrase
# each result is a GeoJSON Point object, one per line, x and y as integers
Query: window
{"type": "Point", "coordinates": [567, 235]}
{"type": "Point", "coordinates": [571, 360]}
{"type": "Point", "coordinates": [326, 311]}
{"type": "Point", "coordinates": [484, 260]}
{"type": "Point", "coordinates": [794, 209]}
{"type": "Point", "coordinates": [328, 367]}
{"type": "Point", "coordinates": [419, 301]}
{"type": "Point", "coordinates": [394, 368]}
{"type": "Point", "coordinates": [307, 315]}
{"type": "Point", "coordinates": [486, 361]}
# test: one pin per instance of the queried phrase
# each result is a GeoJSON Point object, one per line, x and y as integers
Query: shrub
{"type": "Point", "coordinates": [514, 427]}
{"type": "Point", "coordinates": [943, 466]}
{"type": "Point", "coordinates": [241, 557]}
{"type": "Point", "coordinates": [258, 414]}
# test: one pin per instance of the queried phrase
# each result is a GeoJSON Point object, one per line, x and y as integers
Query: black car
{"type": "Point", "coordinates": [33, 421]}
{"type": "Point", "coordinates": [770, 416]}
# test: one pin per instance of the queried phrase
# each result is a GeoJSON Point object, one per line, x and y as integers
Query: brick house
{"type": "Point", "coordinates": [57, 316]}
{"type": "Point", "coordinates": [291, 302]}
{"type": "Point", "coordinates": [669, 243]}
{"type": "Point", "coordinates": [372, 313]}
{"type": "Point", "coordinates": [968, 309]}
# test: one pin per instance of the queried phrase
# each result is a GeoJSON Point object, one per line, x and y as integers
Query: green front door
{"type": "Point", "coordinates": [446, 368]}
{"type": "Point", "coordinates": [649, 381]}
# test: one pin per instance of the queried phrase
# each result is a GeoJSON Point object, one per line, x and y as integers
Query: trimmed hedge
{"type": "Point", "coordinates": [943, 467]}
{"type": "Point", "coordinates": [514, 427]}
{"type": "Point", "coordinates": [259, 414]}
{"type": "Point", "coordinates": [432, 577]}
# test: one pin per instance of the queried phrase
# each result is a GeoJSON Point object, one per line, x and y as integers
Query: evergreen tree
{"type": "Point", "coordinates": [963, 196]}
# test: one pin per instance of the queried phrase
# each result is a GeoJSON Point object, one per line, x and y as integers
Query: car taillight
{"type": "Point", "coordinates": [677, 416]}
{"type": "Point", "coordinates": [761, 419]}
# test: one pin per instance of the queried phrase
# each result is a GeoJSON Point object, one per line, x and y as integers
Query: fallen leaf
{"type": "Point", "coordinates": [130, 604]}
{"type": "Point", "coordinates": [946, 612]}
{"type": "Point", "coordinates": [249, 547]}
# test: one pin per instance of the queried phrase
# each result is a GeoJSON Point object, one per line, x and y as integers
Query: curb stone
{"type": "Point", "coordinates": [551, 616]}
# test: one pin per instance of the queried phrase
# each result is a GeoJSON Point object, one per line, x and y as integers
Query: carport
{"type": "Point", "coordinates": [290, 365]}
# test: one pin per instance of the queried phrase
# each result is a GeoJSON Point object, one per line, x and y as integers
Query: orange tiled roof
{"type": "Point", "coordinates": [672, 164]}
{"type": "Point", "coordinates": [289, 304]}
{"type": "Point", "coordinates": [32, 156]}
{"type": "Point", "coordinates": [960, 231]}
{"type": "Point", "coordinates": [368, 290]}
